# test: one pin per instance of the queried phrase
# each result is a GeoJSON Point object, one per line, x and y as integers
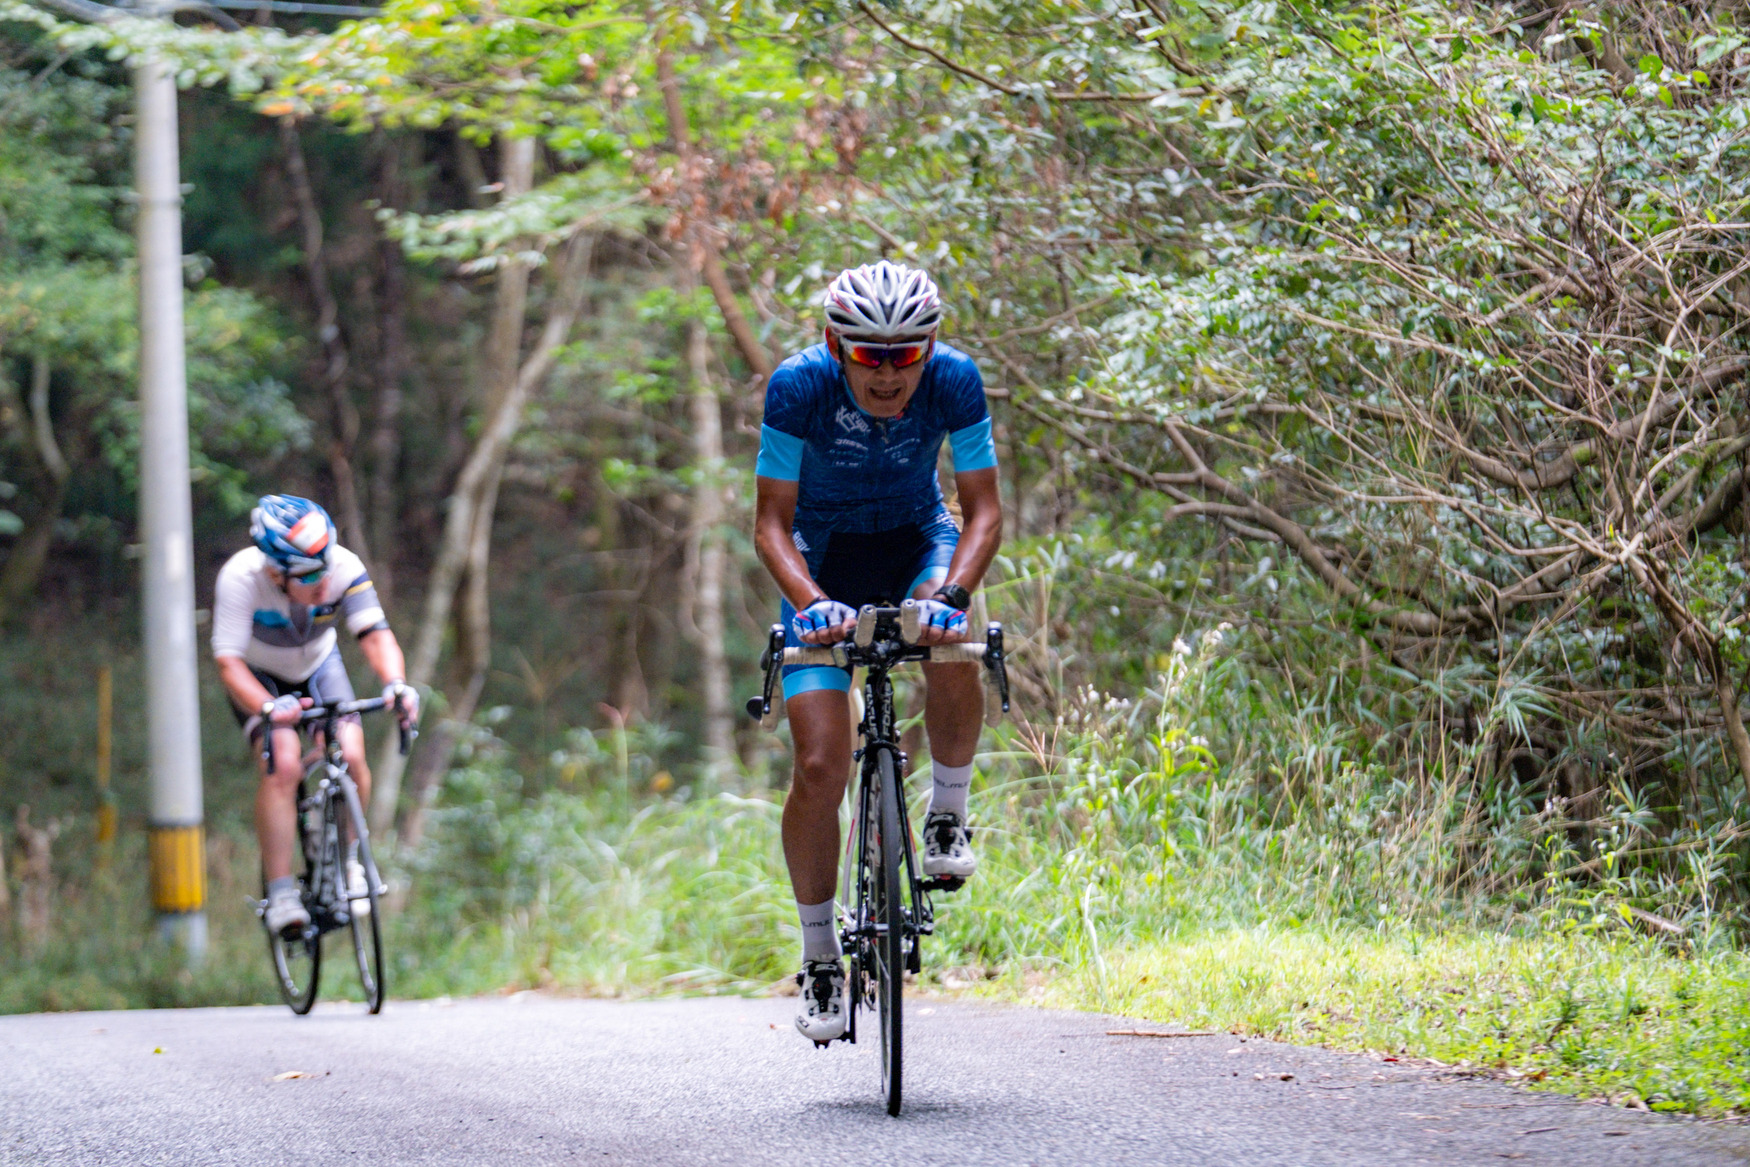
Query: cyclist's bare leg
{"type": "Point", "coordinates": [820, 729]}
{"type": "Point", "coordinates": [276, 805]}
{"type": "Point", "coordinates": [352, 748]}
{"type": "Point", "coordinates": [953, 711]}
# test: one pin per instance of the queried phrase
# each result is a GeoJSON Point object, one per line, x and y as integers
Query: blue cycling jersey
{"type": "Point", "coordinates": [859, 473]}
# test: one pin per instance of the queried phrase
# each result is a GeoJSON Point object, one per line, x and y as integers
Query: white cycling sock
{"type": "Point", "coordinates": [283, 883]}
{"type": "Point", "coordinates": [820, 930]}
{"type": "Point", "coordinates": [949, 786]}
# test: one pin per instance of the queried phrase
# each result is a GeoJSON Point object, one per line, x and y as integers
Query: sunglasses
{"type": "Point", "coordinates": [311, 578]}
{"type": "Point", "coordinates": [872, 356]}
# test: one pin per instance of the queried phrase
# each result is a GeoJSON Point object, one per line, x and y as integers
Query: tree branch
{"type": "Point", "coordinates": [993, 83]}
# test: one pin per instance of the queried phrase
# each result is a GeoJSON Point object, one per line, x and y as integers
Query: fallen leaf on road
{"type": "Point", "coordinates": [290, 1074]}
{"type": "Point", "coordinates": [157, 1049]}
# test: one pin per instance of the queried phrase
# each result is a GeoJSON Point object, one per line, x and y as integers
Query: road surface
{"type": "Point", "coordinates": [538, 1080]}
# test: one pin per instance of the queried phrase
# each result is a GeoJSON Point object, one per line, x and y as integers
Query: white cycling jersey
{"type": "Point", "coordinates": [253, 618]}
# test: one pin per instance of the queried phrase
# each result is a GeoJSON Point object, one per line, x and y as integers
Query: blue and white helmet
{"type": "Point", "coordinates": [293, 532]}
{"type": "Point", "coordinates": [882, 301]}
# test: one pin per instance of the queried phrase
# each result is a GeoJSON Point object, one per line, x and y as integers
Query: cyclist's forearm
{"type": "Point", "coordinates": [981, 536]}
{"type": "Point", "coordinates": [788, 570]}
{"type": "Point", "coordinates": [774, 511]}
{"type": "Point", "coordinates": [383, 653]}
{"type": "Point", "coordinates": [973, 557]}
{"type": "Point", "coordinates": [241, 684]}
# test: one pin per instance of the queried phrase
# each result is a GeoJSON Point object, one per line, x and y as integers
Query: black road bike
{"type": "Point", "coordinates": [330, 819]}
{"type": "Point", "coordinates": [890, 909]}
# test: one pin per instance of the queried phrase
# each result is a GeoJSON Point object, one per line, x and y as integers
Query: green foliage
{"type": "Point", "coordinates": [67, 297]}
{"type": "Point", "coordinates": [594, 884]}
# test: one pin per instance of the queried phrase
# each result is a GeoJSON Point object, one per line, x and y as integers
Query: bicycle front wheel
{"type": "Point", "coordinates": [890, 931]}
{"type": "Point", "coordinates": [367, 916]}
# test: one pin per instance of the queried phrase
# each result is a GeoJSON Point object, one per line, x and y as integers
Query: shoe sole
{"type": "Point", "coordinates": [818, 1039]}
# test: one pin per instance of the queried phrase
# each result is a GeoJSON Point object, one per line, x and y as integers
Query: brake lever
{"type": "Point", "coordinates": [760, 708]}
{"type": "Point", "coordinates": [995, 661]}
{"type": "Point", "coordinates": [409, 734]}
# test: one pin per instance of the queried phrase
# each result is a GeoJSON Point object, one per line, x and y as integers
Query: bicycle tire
{"type": "Point", "coordinates": [890, 936]}
{"type": "Point", "coordinates": [367, 933]}
{"type": "Point", "coordinates": [297, 965]}
{"type": "Point", "coordinates": [367, 940]}
{"type": "Point", "coordinates": [297, 962]}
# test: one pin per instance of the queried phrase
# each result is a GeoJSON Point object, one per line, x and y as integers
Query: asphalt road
{"type": "Point", "coordinates": [537, 1080]}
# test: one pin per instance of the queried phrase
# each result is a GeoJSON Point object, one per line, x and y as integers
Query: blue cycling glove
{"type": "Point", "coordinates": [824, 614]}
{"type": "Point", "coordinates": [936, 614]}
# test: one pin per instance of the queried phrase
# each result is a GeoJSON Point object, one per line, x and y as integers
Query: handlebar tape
{"type": "Point", "coordinates": [833, 655]}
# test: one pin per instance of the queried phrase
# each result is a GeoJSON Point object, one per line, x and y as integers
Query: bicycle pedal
{"type": "Point", "coordinates": [944, 883]}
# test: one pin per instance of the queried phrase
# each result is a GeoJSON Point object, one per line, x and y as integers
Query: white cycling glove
{"type": "Point", "coordinates": [284, 703]}
{"type": "Point", "coordinates": [824, 614]}
{"type": "Point", "coordinates": [936, 614]}
{"type": "Point", "coordinates": [409, 699]}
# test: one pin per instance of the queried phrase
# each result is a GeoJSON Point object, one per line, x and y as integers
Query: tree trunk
{"type": "Point", "coordinates": [392, 366]}
{"type": "Point", "coordinates": [516, 168]}
{"type": "Point", "coordinates": [344, 419]}
{"type": "Point", "coordinates": [708, 553]}
{"type": "Point", "coordinates": [24, 566]}
{"type": "Point", "coordinates": [709, 556]}
{"type": "Point", "coordinates": [516, 158]}
{"type": "Point", "coordinates": [703, 242]}
{"type": "Point", "coordinates": [483, 467]}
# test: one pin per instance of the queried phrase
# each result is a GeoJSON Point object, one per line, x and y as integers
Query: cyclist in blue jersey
{"type": "Point", "coordinates": [849, 512]}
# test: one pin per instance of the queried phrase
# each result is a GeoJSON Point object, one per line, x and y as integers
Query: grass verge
{"type": "Point", "coordinates": [1582, 1014]}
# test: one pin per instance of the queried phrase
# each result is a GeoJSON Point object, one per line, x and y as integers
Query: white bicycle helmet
{"type": "Point", "coordinates": [880, 301]}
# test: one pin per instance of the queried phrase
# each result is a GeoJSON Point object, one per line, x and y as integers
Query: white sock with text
{"type": "Point", "coordinates": [949, 786]}
{"type": "Point", "coordinates": [820, 930]}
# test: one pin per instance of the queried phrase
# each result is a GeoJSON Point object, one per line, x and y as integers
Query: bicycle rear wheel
{"type": "Point", "coordinates": [298, 965]}
{"type": "Point", "coordinates": [890, 932]}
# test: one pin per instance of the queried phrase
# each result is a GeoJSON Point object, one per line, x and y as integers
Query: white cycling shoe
{"type": "Point", "coordinates": [285, 912]}
{"type": "Point", "coordinates": [358, 889]}
{"type": "Point", "coordinates": [823, 1000]}
{"type": "Point", "coordinates": [948, 845]}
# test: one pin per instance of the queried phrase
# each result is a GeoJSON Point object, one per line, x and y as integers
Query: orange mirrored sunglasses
{"type": "Point", "coordinates": [872, 356]}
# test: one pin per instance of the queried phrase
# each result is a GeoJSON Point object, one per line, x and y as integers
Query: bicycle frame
{"type": "Point", "coordinates": [326, 864]}
{"type": "Point", "coordinates": [330, 814]}
{"type": "Point", "coordinates": [879, 732]}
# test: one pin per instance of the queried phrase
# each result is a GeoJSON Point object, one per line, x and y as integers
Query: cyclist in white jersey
{"type": "Point", "coordinates": [276, 606]}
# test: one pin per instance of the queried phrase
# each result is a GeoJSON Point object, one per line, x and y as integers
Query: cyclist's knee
{"type": "Point", "coordinates": [822, 771]}
{"type": "Point", "coordinates": [285, 773]}
{"type": "Point", "coordinates": [357, 766]}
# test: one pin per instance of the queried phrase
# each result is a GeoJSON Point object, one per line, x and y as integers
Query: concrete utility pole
{"type": "Point", "coordinates": [178, 850]}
